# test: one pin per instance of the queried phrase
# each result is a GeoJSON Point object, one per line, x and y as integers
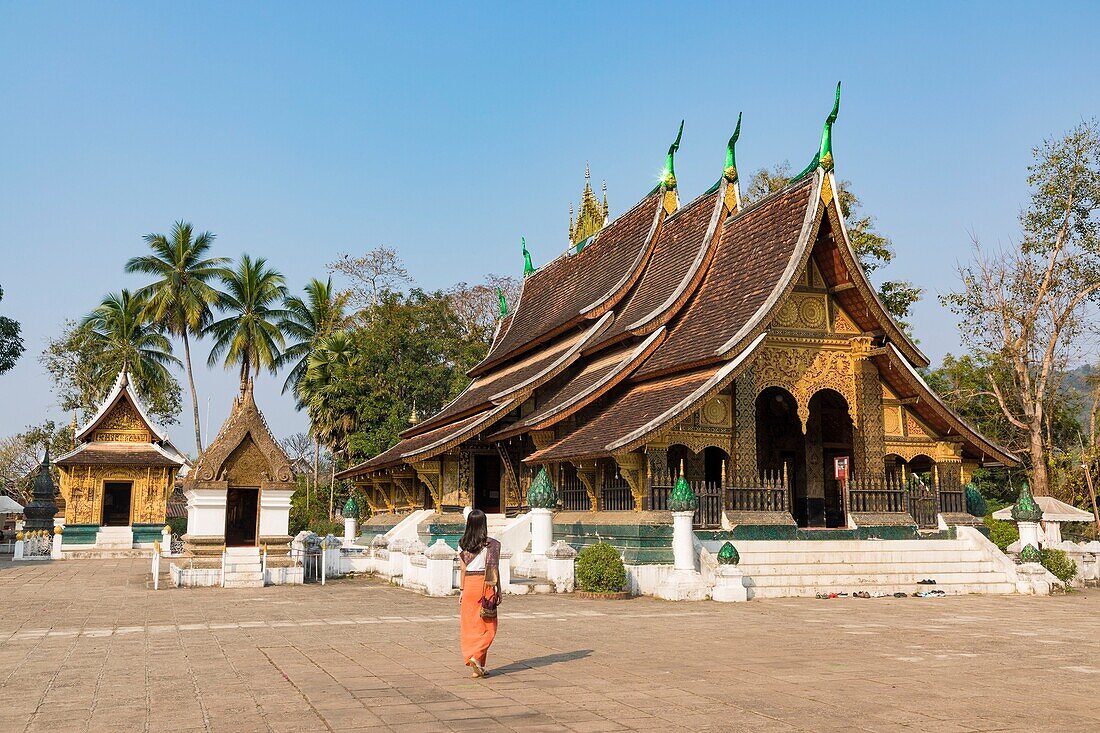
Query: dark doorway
{"type": "Point", "coordinates": [487, 484]}
{"type": "Point", "coordinates": [829, 417]}
{"type": "Point", "coordinates": [241, 517]}
{"type": "Point", "coordinates": [781, 446]}
{"type": "Point", "coordinates": [116, 503]}
{"type": "Point", "coordinates": [714, 465]}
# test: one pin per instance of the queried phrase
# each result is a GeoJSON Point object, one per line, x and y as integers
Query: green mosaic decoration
{"type": "Point", "coordinates": [528, 268]}
{"type": "Point", "coordinates": [1025, 509]}
{"type": "Point", "coordinates": [503, 303]}
{"type": "Point", "coordinates": [351, 509]}
{"type": "Point", "coordinates": [682, 498]}
{"type": "Point", "coordinates": [730, 170]}
{"type": "Point", "coordinates": [728, 555]}
{"type": "Point", "coordinates": [975, 502]}
{"type": "Point", "coordinates": [824, 156]}
{"type": "Point", "coordinates": [542, 495]}
{"type": "Point", "coordinates": [1030, 554]}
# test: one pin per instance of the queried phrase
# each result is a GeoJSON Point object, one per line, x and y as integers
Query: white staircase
{"type": "Point", "coordinates": [243, 568]}
{"type": "Point", "coordinates": [114, 538]}
{"type": "Point", "coordinates": [800, 568]}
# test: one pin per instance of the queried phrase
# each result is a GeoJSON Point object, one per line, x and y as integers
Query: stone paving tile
{"type": "Point", "coordinates": [89, 646]}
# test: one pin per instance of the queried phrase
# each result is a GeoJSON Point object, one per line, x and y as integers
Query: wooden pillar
{"type": "Point", "coordinates": [744, 425]}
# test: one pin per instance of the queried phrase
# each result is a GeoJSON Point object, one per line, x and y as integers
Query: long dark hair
{"type": "Point", "coordinates": [476, 535]}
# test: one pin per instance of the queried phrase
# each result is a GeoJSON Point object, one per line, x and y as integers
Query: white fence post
{"type": "Point", "coordinates": [17, 553]}
{"type": "Point", "coordinates": [55, 548]}
{"type": "Point", "coordinates": [223, 567]}
{"type": "Point", "coordinates": [324, 563]}
{"type": "Point", "coordinates": [156, 565]}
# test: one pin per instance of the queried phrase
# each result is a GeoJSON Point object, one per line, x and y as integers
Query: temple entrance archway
{"type": "Point", "coordinates": [487, 483]}
{"type": "Point", "coordinates": [116, 503]}
{"type": "Point", "coordinates": [829, 434]}
{"type": "Point", "coordinates": [242, 516]}
{"type": "Point", "coordinates": [780, 444]}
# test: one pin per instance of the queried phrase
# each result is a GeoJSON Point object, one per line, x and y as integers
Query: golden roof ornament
{"type": "Point", "coordinates": [591, 216]}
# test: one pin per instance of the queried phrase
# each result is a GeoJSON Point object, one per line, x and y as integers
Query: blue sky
{"type": "Point", "coordinates": [299, 131]}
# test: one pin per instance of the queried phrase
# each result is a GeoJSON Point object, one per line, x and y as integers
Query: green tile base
{"type": "Point", "coordinates": [786, 532]}
{"type": "Point", "coordinates": [79, 534]}
{"type": "Point", "coordinates": [643, 538]}
{"type": "Point", "coordinates": [146, 533]}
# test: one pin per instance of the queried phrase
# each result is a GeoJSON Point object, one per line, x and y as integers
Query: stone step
{"type": "Point", "coordinates": [243, 567]}
{"type": "Point", "coordinates": [93, 552]}
{"type": "Point", "coordinates": [804, 591]}
{"type": "Point", "coordinates": [827, 567]}
{"type": "Point", "coordinates": [834, 546]}
{"type": "Point", "coordinates": [859, 580]}
{"type": "Point", "coordinates": [753, 557]}
{"type": "Point", "coordinates": [236, 576]}
{"type": "Point", "coordinates": [256, 582]}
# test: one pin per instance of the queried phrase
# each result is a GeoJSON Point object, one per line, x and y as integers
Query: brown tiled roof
{"type": "Point", "coordinates": [556, 295]}
{"type": "Point", "coordinates": [580, 389]}
{"type": "Point", "coordinates": [429, 444]}
{"type": "Point", "coordinates": [524, 373]}
{"type": "Point", "coordinates": [896, 371]}
{"type": "Point", "coordinates": [752, 258]}
{"type": "Point", "coordinates": [636, 406]}
{"type": "Point", "coordinates": [677, 255]}
{"type": "Point", "coordinates": [118, 454]}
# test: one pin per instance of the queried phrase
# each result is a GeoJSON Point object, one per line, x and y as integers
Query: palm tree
{"type": "Point", "coordinates": [308, 321]}
{"type": "Point", "coordinates": [330, 423]}
{"type": "Point", "coordinates": [125, 340]}
{"type": "Point", "coordinates": [250, 335]}
{"type": "Point", "coordinates": [180, 298]}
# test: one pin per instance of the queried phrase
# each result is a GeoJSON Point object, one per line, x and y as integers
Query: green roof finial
{"type": "Point", "coordinates": [1026, 509]}
{"type": "Point", "coordinates": [682, 498]}
{"type": "Point", "coordinates": [730, 171]}
{"type": "Point", "coordinates": [503, 303]}
{"type": "Point", "coordinates": [668, 176]}
{"type": "Point", "coordinates": [528, 268]}
{"type": "Point", "coordinates": [824, 157]}
{"type": "Point", "coordinates": [541, 494]}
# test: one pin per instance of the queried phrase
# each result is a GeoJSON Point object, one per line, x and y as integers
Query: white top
{"type": "Point", "coordinates": [477, 565]}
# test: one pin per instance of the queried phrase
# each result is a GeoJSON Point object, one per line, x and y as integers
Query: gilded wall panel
{"type": "Point", "coordinates": [82, 487]}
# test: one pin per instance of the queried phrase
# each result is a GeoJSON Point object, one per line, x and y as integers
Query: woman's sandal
{"type": "Point", "coordinates": [479, 671]}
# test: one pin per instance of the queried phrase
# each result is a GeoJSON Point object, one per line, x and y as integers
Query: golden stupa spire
{"type": "Point", "coordinates": [591, 216]}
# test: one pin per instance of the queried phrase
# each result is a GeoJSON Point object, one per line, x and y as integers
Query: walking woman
{"type": "Point", "coordinates": [480, 558]}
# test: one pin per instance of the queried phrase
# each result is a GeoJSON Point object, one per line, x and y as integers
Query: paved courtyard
{"type": "Point", "coordinates": [88, 646]}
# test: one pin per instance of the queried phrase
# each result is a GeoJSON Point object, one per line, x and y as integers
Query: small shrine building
{"type": "Point", "coordinates": [116, 481]}
{"type": "Point", "coordinates": [743, 342]}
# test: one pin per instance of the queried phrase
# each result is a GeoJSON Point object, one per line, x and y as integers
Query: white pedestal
{"type": "Point", "coordinates": [729, 584]}
{"type": "Point", "coordinates": [349, 531]}
{"type": "Point", "coordinates": [166, 542]}
{"type": "Point", "coordinates": [206, 512]}
{"type": "Point", "coordinates": [55, 547]}
{"type": "Point", "coordinates": [1029, 534]}
{"type": "Point", "coordinates": [561, 567]}
{"type": "Point", "coordinates": [441, 561]}
{"type": "Point", "coordinates": [274, 512]}
{"type": "Point", "coordinates": [683, 541]}
{"type": "Point", "coordinates": [1032, 579]}
{"type": "Point", "coordinates": [683, 585]}
{"type": "Point", "coordinates": [542, 531]}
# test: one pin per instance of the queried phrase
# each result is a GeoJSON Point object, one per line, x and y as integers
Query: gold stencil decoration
{"type": "Point", "coordinates": [805, 371]}
{"type": "Point", "coordinates": [913, 427]}
{"type": "Point", "coordinates": [716, 412]}
{"type": "Point", "coordinates": [121, 425]}
{"type": "Point", "coordinates": [891, 420]}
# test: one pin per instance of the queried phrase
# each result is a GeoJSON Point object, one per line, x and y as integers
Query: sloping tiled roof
{"type": "Point", "coordinates": [639, 404]}
{"type": "Point", "coordinates": [119, 454]}
{"type": "Point", "coordinates": [429, 444]}
{"type": "Point", "coordinates": [751, 263]}
{"type": "Point", "coordinates": [121, 390]}
{"type": "Point", "coordinates": [906, 381]}
{"type": "Point", "coordinates": [583, 387]}
{"type": "Point", "coordinates": [677, 255]}
{"type": "Point", "coordinates": [524, 373]}
{"type": "Point", "coordinates": [560, 292]}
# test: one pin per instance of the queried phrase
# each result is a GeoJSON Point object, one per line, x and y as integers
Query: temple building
{"type": "Point", "coordinates": [743, 342]}
{"type": "Point", "coordinates": [238, 501]}
{"type": "Point", "coordinates": [117, 480]}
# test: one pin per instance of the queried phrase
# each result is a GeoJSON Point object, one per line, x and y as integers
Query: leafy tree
{"type": "Point", "coordinates": [11, 343]}
{"type": "Point", "coordinates": [872, 248]}
{"type": "Point", "coordinates": [327, 393]}
{"type": "Point", "coordinates": [84, 361]}
{"type": "Point", "coordinates": [379, 270]}
{"type": "Point", "coordinates": [250, 336]}
{"type": "Point", "coordinates": [180, 298]}
{"type": "Point", "coordinates": [1025, 308]}
{"type": "Point", "coordinates": [21, 454]}
{"type": "Point", "coordinates": [307, 321]}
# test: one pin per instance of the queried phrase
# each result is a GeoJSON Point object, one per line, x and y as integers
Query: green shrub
{"type": "Point", "coordinates": [1059, 564]}
{"type": "Point", "coordinates": [600, 569]}
{"type": "Point", "coordinates": [178, 525]}
{"type": "Point", "coordinates": [1002, 534]}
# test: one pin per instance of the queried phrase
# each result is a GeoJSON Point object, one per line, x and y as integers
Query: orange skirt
{"type": "Point", "coordinates": [475, 634]}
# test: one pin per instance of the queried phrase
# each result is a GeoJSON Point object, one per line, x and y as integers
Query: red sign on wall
{"type": "Point", "coordinates": [840, 468]}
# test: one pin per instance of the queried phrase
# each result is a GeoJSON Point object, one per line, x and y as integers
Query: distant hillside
{"type": "Point", "coordinates": [1077, 382]}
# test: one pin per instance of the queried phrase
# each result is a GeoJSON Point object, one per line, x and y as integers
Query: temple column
{"type": "Point", "coordinates": [431, 473]}
{"type": "Point", "coordinates": [870, 438]}
{"type": "Point", "coordinates": [588, 472]}
{"type": "Point", "coordinates": [632, 467]}
{"type": "Point", "coordinates": [744, 402]}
